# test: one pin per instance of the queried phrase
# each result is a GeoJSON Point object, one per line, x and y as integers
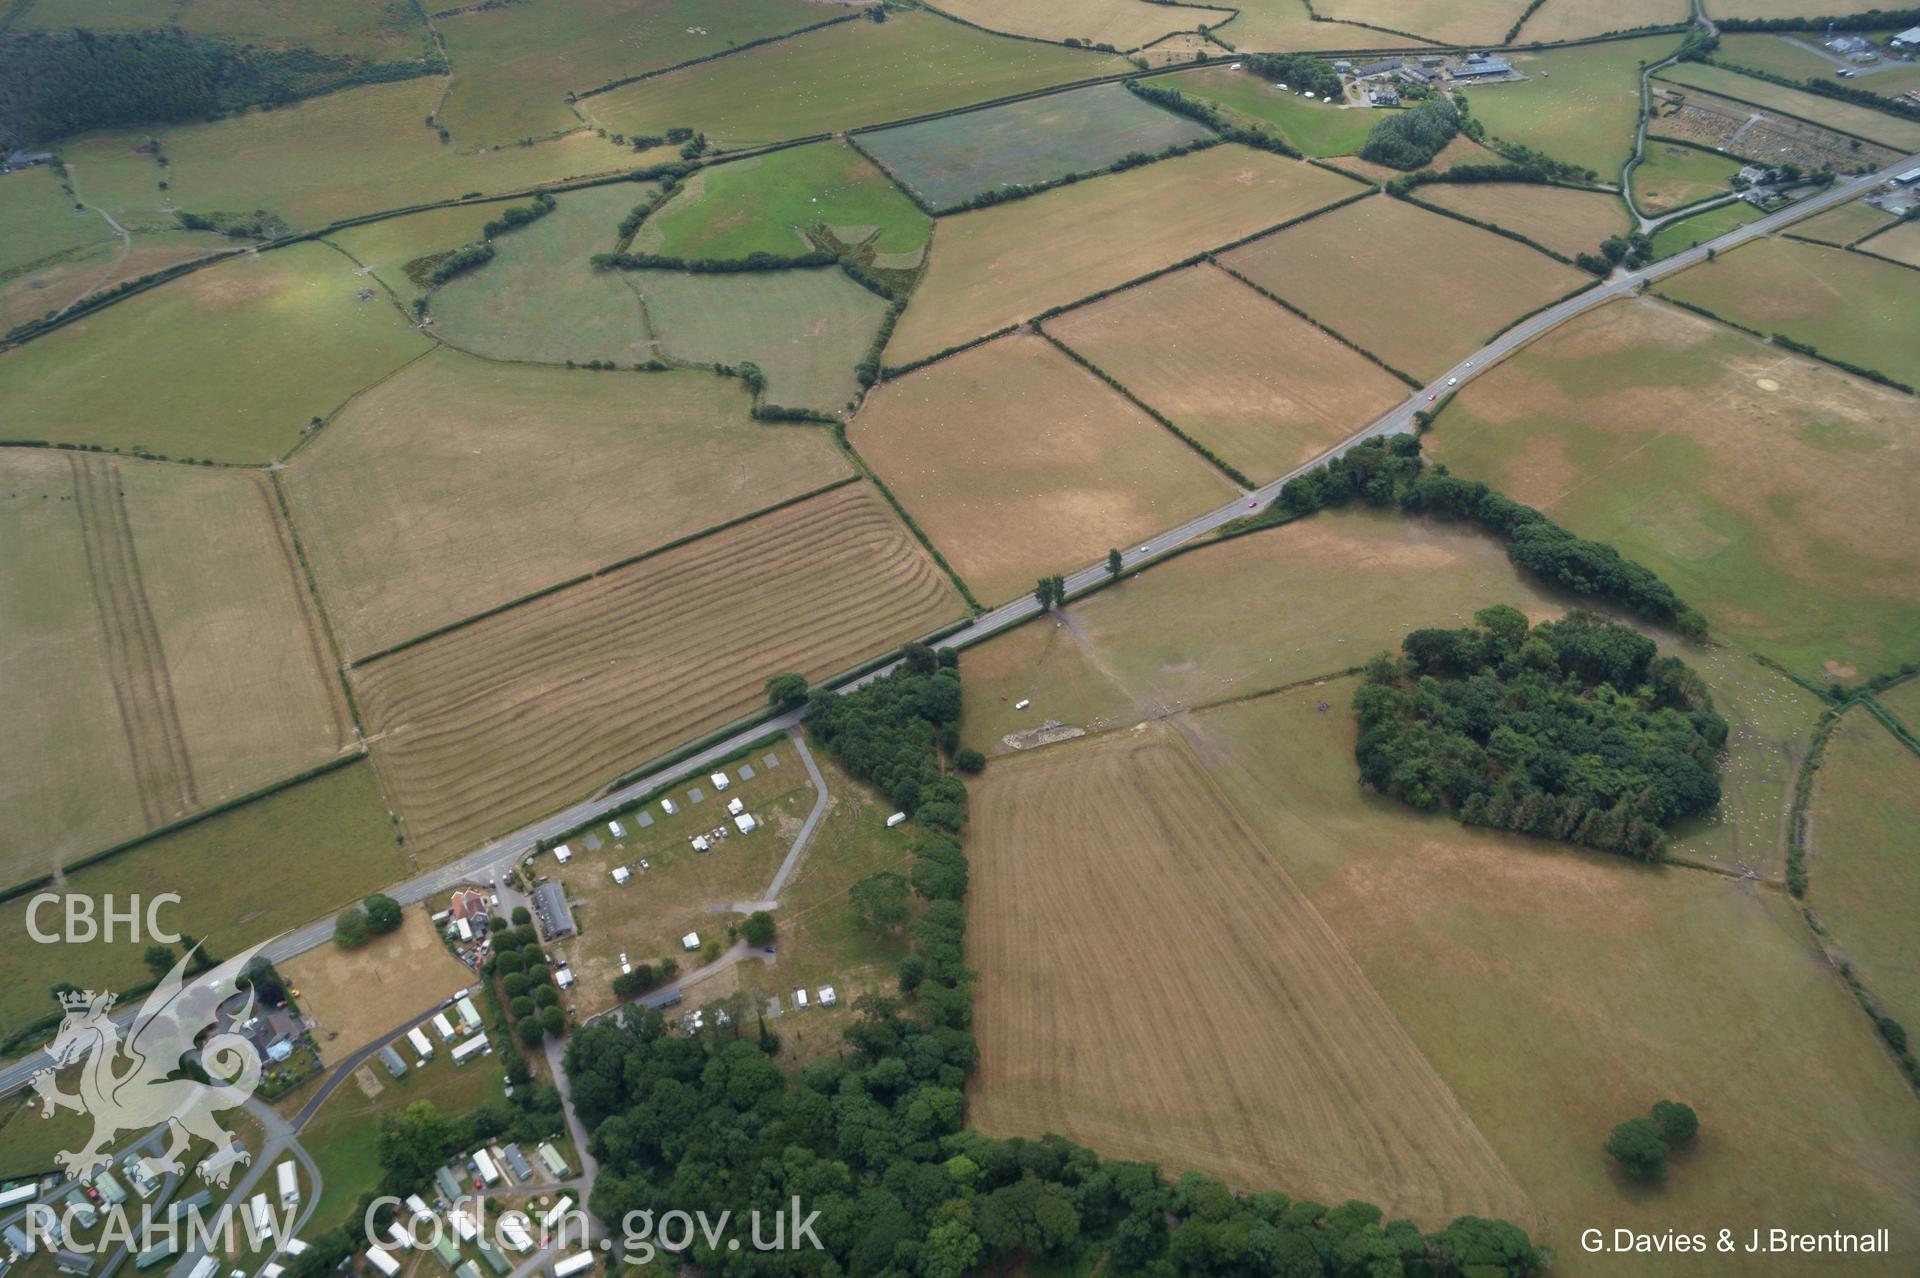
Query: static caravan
{"type": "Point", "coordinates": [289, 1184]}
{"type": "Point", "coordinates": [475, 1046]}
{"type": "Point", "coordinates": [550, 1223]}
{"type": "Point", "coordinates": [204, 1267]}
{"type": "Point", "coordinates": [719, 780]}
{"type": "Point", "coordinates": [443, 1027]}
{"type": "Point", "coordinates": [550, 1159]}
{"type": "Point", "coordinates": [466, 1269]}
{"type": "Point", "coordinates": [578, 1262]}
{"type": "Point", "coordinates": [379, 1259]}
{"type": "Point", "coordinates": [25, 1192]}
{"type": "Point", "coordinates": [391, 1059]}
{"type": "Point", "coordinates": [417, 1207]}
{"type": "Point", "coordinates": [469, 1014]}
{"type": "Point", "coordinates": [515, 1234]}
{"type": "Point", "coordinates": [109, 1188]}
{"type": "Point", "coordinates": [421, 1047]}
{"type": "Point", "coordinates": [484, 1162]}
{"type": "Point", "coordinates": [450, 1188]}
{"type": "Point", "coordinates": [490, 1254]}
{"type": "Point", "coordinates": [399, 1237]}
{"type": "Point", "coordinates": [464, 1224]}
{"type": "Point", "coordinates": [259, 1219]}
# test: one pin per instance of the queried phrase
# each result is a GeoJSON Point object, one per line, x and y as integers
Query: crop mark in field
{"type": "Point", "coordinates": [136, 660]}
{"type": "Point", "coordinates": [305, 601]}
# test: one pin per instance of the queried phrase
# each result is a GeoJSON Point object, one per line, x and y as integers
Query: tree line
{"type": "Point", "coordinates": [1573, 730]}
{"type": "Point", "coordinates": [875, 1140]}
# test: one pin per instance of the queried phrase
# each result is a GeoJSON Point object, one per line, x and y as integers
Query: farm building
{"type": "Point", "coordinates": [379, 1259]}
{"type": "Point", "coordinates": [475, 1046]}
{"type": "Point", "coordinates": [746, 823]}
{"type": "Point", "coordinates": [1848, 45]}
{"type": "Point", "coordinates": [517, 1165]}
{"type": "Point", "coordinates": [421, 1047]}
{"type": "Point", "coordinates": [27, 159]}
{"type": "Point", "coordinates": [550, 1159]}
{"type": "Point", "coordinates": [1386, 66]}
{"type": "Point", "coordinates": [1908, 39]}
{"type": "Point", "coordinates": [551, 908]}
{"type": "Point", "coordinates": [1479, 66]}
{"type": "Point", "coordinates": [1912, 176]}
{"type": "Point", "coordinates": [391, 1059]}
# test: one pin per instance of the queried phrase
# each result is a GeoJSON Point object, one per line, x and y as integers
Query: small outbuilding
{"type": "Point", "coordinates": [691, 941]}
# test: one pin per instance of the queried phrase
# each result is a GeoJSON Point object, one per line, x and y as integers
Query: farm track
{"type": "Point", "coordinates": [509, 715]}
{"type": "Point", "coordinates": [136, 659]}
{"type": "Point", "coordinates": [1156, 986]}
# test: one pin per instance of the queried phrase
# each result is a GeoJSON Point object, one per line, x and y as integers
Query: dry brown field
{"type": "Point", "coordinates": [357, 997]}
{"type": "Point", "coordinates": [1153, 985]}
{"type": "Point", "coordinates": [1002, 265]}
{"type": "Point", "coordinates": [1843, 225]}
{"type": "Point", "coordinates": [1557, 990]}
{"type": "Point", "coordinates": [160, 649]}
{"type": "Point", "coordinates": [486, 726]}
{"type": "Point", "coordinates": [1179, 48]}
{"type": "Point", "coordinates": [1781, 8]}
{"type": "Point", "coordinates": [1566, 221]}
{"type": "Point", "coordinates": [1576, 19]}
{"type": "Point", "coordinates": [1124, 24]}
{"type": "Point", "coordinates": [399, 502]}
{"type": "Point", "coordinates": [56, 286]}
{"type": "Point", "coordinates": [1017, 463]}
{"type": "Point", "coordinates": [1902, 244]}
{"type": "Point", "coordinates": [1767, 489]}
{"type": "Point", "coordinates": [1255, 383]}
{"type": "Point", "coordinates": [1286, 25]}
{"type": "Point", "coordinates": [1449, 21]}
{"type": "Point", "coordinates": [1438, 295]}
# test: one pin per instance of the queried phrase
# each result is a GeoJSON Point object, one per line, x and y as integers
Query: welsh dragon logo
{"type": "Point", "coordinates": [141, 1083]}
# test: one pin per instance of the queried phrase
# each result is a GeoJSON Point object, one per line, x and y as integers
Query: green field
{"type": "Point", "coordinates": [540, 300]}
{"type": "Point", "coordinates": [1859, 121]}
{"type": "Point", "coordinates": [1845, 305]}
{"type": "Point", "coordinates": [1558, 992]}
{"type": "Point", "coordinates": [1843, 225]}
{"type": "Point", "coordinates": [1697, 228]}
{"type": "Point", "coordinates": [769, 203]}
{"type": "Point", "coordinates": [1862, 875]}
{"type": "Point", "coordinates": [516, 64]}
{"type": "Point", "coordinates": [1670, 174]}
{"type": "Point", "coordinates": [361, 151]}
{"type": "Point", "coordinates": [806, 329]}
{"type": "Point", "coordinates": [1579, 105]}
{"type": "Point", "coordinates": [243, 876]}
{"type": "Point", "coordinates": [1315, 128]}
{"type": "Point", "coordinates": [387, 246]}
{"type": "Point", "coordinates": [1756, 482]}
{"type": "Point", "coordinates": [398, 500]}
{"type": "Point", "coordinates": [1029, 143]}
{"type": "Point", "coordinates": [284, 336]}
{"type": "Point", "coordinates": [849, 75]}
{"type": "Point", "coordinates": [42, 224]}
{"type": "Point", "coordinates": [1786, 53]}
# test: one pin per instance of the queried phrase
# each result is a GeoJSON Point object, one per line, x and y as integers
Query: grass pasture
{"type": "Point", "coordinates": [286, 331]}
{"type": "Point", "coordinates": [1477, 22]}
{"type": "Point", "coordinates": [1558, 20]}
{"type": "Point", "coordinates": [1580, 105]}
{"type": "Point", "coordinates": [1124, 24]}
{"type": "Point", "coordinates": [1862, 875]}
{"type": "Point", "coordinates": [1901, 244]}
{"type": "Point", "coordinates": [1316, 1088]}
{"type": "Point", "coordinates": [1767, 489]}
{"type": "Point", "coordinates": [1274, 26]}
{"type": "Point", "coordinates": [398, 502]}
{"type": "Point", "coordinates": [518, 714]}
{"type": "Point", "coordinates": [1842, 304]}
{"type": "Point", "coordinates": [516, 64]}
{"type": "Point", "coordinates": [43, 227]}
{"type": "Point", "coordinates": [1236, 618]}
{"type": "Point", "coordinates": [1787, 53]}
{"type": "Point", "coordinates": [37, 292]}
{"type": "Point", "coordinates": [1843, 117]}
{"type": "Point", "coordinates": [853, 74]}
{"type": "Point", "coordinates": [1017, 463]}
{"type": "Point", "coordinates": [1670, 175]}
{"type": "Point", "coordinates": [1843, 225]}
{"type": "Point", "coordinates": [1003, 265]}
{"type": "Point", "coordinates": [1444, 262]}
{"type": "Point", "coordinates": [243, 876]}
{"type": "Point", "coordinates": [1026, 143]}
{"type": "Point", "coordinates": [1567, 221]}
{"type": "Point", "coordinates": [539, 300]}
{"type": "Point", "coordinates": [769, 203]}
{"type": "Point", "coordinates": [161, 647]}
{"type": "Point", "coordinates": [1256, 384]}
{"type": "Point", "coordinates": [1780, 8]}
{"type": "Point", "coordinates": [1315, 128]}
{"type": "Point", "coordinates": [383, 32]}
{"type": "Point", "coordinates": [808, 330]}
{"type": "Point", "coordinates": [317, 161]}
{"type": "Point", "coordinates": [1602, 986]}
{"type": "Point", "coordinates": [388, 246]}
{"type": "Point", "coordinates": [1697, 228]}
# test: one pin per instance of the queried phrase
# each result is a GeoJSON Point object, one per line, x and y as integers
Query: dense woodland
{"type": "Point", "coordinates": [1572, 729]}
{"type": "Point", "coordinates": [56, 84]}
{"type": "Point", "coordinates": [1411, 138]}
{"type": "Point", "coordinates": [876, 1141]}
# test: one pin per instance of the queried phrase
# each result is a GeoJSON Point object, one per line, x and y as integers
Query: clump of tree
{"type": "Point", "coordinates": [257, 225]}
{"type": "Point", "coordinates": [1050, 592]}
{"type": "Point", "coordinates": [1297, 71]}
{"type": "Point", "coordinates": [526, 982]}
{"type": "Point", "coordinates": [438, 268]}
{"type": "Point", "coordinates": [1409, 139]}
{"type": "Point", "coordinates": [787, 691]}
{"type": "Point", "coordinates": [644, 977]}
{"type": "Point", "coordinates": [1574, 730]}
{"type": "Point", "coordinates": [1641, 1145]}
{"type": "Point", "coordinates": [515, 216]}
{"type": "Point", "coordinates": [358, 924]}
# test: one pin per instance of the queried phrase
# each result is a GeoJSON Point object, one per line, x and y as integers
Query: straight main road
{"type": "Point", "coordinates": [495, 858]}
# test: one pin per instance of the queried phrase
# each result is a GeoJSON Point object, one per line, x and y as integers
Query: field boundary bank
{"type": "Point", "coordinates": [1851, 248]}
{"type": "Point", "coordinates": [611, 85]}
{"type": "Point", "coordinates": [1219, 463]}
{"type": "Point", "coordinates": [105, 854]}
{"type": "Point", "coordinates": [1335, 334]}
{"type": "Point", "coordinates": [1491, 227]}
{"type": "Point", "coordinates": [380, 654]}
